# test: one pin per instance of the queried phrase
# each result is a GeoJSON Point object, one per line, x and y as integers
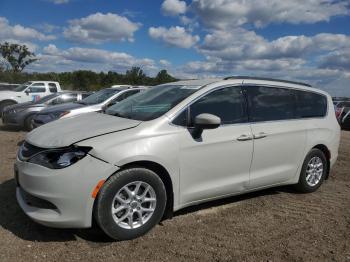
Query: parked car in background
{"type": "Point", "coordinates": [174, 146]}
{"type": "Point", "coordinates": [30, 91]}
{"type": "Point", "coordinates": [342, 109]}
{"type": "Point", "coordinates": [21, 115]}
{"type": "Point", "coordinates": [345, 121]}
{"type": "Point", "coordinates": [94, 103]}
{"type": "Point", "coordinates": [7, 86]}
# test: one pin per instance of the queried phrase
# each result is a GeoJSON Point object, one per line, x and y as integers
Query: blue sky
{"type": "Point", "coordinates": [306, 40]}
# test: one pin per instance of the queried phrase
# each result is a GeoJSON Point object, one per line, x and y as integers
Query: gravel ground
{"type": "Point", "coordinates": [272, 225]}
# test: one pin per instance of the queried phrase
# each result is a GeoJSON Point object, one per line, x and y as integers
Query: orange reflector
{"type": "Point", "coordinates": [97, 188]}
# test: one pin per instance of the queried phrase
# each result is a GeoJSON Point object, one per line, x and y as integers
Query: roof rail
{"type": "Point", "coordinates": [266, 79]}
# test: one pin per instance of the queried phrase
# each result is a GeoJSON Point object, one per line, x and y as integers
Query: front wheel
{"type": "Point", "coordinates": [130, 203]}
{"type": "Point", "coordinates": [5, 104]}
{"type": "Point", "coordinates": [313, 172]}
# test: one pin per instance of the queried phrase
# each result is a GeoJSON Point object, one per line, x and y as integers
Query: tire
{"type": "Point", "coordinates": [308, 184]}
{"type": "Point", "coordinates": [28, 123]}
{"type": "Point", "coordinates": [113, 224]}
{"type": "Point", "coordinates": [5, 104]}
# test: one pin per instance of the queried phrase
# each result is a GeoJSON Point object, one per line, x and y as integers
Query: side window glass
{"type": "Point", "coordinates": [311, 104]}
{"type": "Point", "coordinates": [226, 103]}
{"type": "Point", "coordinates": [181, 119]}
{"type": "Point", "coordinates": [36, 89]}
{"type": "Point", "coordinates": [270, 103]}
{"type": "Point", "coordinates": [124, 95]}
{"type": "Point", "coordinates": [52, 87]}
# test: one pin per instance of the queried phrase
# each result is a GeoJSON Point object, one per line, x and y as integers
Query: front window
{"type": "Point", "coordinates": [152, 103]}
{"type": "Point", "coordinates": [22, 87]}
{"type": "Point", "coordinates": [99, 97]}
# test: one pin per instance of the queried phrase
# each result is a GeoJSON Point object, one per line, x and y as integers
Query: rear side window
{"type": "Point", "coordinates": [226, 103]}
{"type": "Point", "coordinates": [270, 103]}
{"type": "Point", "coordinates": [53, 87]}
{"type": "Point", "coordinates": [36, 89]}
{"type": "Point", "coordinates": [311, 104]}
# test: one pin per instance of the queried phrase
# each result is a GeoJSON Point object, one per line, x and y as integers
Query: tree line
{"type": "Point", "coordinates": [14, 58]}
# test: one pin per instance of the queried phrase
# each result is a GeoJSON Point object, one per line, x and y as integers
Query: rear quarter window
{"type": "Point", "coordinates": [311, 104]}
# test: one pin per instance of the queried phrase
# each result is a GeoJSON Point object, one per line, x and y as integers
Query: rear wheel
{"type": "Point", "coordinates": [313, 172]}
{"type": "Point", "coordinates": [130, 203]}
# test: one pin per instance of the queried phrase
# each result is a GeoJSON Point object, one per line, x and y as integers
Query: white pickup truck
{"type": "Point", "coordinates": [29, 91]}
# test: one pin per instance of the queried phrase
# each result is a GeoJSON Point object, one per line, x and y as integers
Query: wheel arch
{"type": "Point", "coordinates": [8, 100]}
{"type": "Point", "coordinates": [324, 149]}
{"type": "Point", "coordinates": [164, 175]}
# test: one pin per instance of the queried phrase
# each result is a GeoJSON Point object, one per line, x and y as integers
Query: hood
{"type": "Point", "coordinates": [65, 132]}
{"type": "Point", "coordinates": [62, 107]}
{"type": "Point", "coordinates": [25, 105]}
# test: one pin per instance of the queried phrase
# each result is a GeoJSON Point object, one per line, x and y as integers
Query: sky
{"type": "Point", "coordinates": [303, 40]}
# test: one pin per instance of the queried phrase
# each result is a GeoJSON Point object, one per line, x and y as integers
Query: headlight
{"type": "Point", "coordinates": [15, 110]}
{"type": "Point", "coordinates": [59, 158]}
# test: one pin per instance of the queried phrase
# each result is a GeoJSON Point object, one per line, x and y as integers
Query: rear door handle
{"type": "Point", "coordinates": [244, 138]}
{"type": "Point", "coordinates": [260, 135]}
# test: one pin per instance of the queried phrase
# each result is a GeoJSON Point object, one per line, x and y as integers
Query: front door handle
{"type": "Point", "coordinates": [260, 135]}
{"type": "Point", "coordinates": [244, 138]}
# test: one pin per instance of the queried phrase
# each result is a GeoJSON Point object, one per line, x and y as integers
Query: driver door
{"type": "Point", "coordinates": [218, 163]}
{"type": "Point", "coordinates": [35, 92]}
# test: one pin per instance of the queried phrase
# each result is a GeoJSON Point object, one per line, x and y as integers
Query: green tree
{"type": "Point", "coordinates": [17, 56]}
{"type": "Point", "coordinates": [135, 76]}
{"type": "Point", "coordinates": [163, 77]}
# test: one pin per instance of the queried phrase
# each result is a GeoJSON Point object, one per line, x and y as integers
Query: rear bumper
{"type": "Point", "coordinates": [67, 192]}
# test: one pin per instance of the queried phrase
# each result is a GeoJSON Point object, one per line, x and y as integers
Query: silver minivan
{"type": "Point", "coordinates": [173, 146]}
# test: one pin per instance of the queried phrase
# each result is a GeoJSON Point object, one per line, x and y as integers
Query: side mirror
{"type": "Point", "coordinates": [27, 92]}
{"type": "Point", "coordinates": [205, 121]}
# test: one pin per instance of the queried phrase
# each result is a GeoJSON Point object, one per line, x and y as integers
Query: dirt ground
{"type": "Point", "coordinates": [272, 225]}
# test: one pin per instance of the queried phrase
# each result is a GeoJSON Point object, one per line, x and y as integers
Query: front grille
{"type": "Point", "coordinates": [35, 201]}
{"type": "Point", "coordinates": [27, 150]}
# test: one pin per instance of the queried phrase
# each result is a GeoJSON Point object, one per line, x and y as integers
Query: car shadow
{"type": "Point", "coordinates": [13, 219]}
{"type": "Point", "coordinates": [10, 128]}
{"type": "Point", "coordinates": [233, 199]}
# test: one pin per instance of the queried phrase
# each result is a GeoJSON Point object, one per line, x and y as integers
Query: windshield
{"type": "Point", "coordinates": [22, 87]}
{"type": "Point", "coordinates": [152, 103]}
{"type": "Point", "coordinates": [99, 97]}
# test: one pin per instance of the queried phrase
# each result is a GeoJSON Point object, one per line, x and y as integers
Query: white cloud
{"type": "Point", "coordinates": [55, 59]}
{"type": "Point", "coordinates": [339, 59]}
{"type": "Point", "coordinates": [173, 7]}
{"type": "Point", "coordinates": [228, 13]}
{"type": "Point", "coordinates": [19, 32]}
{"type": "Point", "coordinates": [47, 28]}
{"type": "Point", "coordinates": [98, 28]}
{"type": "Point", "coordinates": [164, 63]}
{"type": "Point", "coordinates": [174, 36]}
{"type": "Point", "coordinates": [241, 44]}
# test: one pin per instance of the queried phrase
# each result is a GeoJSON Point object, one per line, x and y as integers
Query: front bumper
{"type": "Point", "coordinates": [68, 190]}
{"type": "Point", "coordinates": [10, 119]}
